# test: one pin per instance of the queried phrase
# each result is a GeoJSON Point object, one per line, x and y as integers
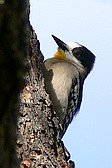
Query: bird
{"type": "Point", "coordinates": [64, 76]}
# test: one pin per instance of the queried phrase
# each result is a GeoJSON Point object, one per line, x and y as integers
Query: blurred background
{"type": "Point", "coordinates": [89, 22]}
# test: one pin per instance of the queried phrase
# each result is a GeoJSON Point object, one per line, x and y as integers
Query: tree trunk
{"type": "Point", "coordinates": [38, 125]}
{"type": "Point", "coordinates": [29, 120]}
{"type": "Point", "coordinates": [13, 51]}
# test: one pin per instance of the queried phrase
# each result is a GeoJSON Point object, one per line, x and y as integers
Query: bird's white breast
{"type": "Point", "coordinates": [63, 76]}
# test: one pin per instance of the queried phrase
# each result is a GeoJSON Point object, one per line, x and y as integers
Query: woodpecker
{"type": "Point", "coordinates": [64, 78]}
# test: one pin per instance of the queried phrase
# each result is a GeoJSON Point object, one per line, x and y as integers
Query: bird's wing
{"type": "Point", "coordinates": [74, 102]}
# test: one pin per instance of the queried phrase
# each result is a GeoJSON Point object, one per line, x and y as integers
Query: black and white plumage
{"type": "Point", "coordinates": [64, 78]}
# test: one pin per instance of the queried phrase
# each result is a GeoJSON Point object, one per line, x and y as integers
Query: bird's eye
{"type": "Point", "coordinates": [75, 51]}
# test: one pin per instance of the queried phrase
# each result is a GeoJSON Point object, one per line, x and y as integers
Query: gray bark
{"type": "Point", "coordinates": [38, 125]}
{"type": "Point", "coordinates": [13, 51]}
{"type": "Point", "coordinates": [28, 125]}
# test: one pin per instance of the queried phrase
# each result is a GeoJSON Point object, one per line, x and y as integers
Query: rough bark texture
{"type": "Point", "coordinates": [37, 128]}
{"type": "Point", "coordinates": [38, 125]}
{"type": "Point", "coordinates": [13, 51]}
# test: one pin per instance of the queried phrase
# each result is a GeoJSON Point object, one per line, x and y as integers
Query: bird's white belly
{"type": "Point", "coordinates": [62, 83]}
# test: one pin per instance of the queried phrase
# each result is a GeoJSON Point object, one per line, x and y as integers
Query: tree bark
{"type": "Point", "coordinates": [38, 125]}
{"type": "Point", "coordinates": [28, 125]}
{"type": "Point", "coordinates": [13, 51]}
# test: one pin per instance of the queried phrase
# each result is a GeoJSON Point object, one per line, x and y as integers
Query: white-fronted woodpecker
{"type": "Point", "coordinates": [64, 79]}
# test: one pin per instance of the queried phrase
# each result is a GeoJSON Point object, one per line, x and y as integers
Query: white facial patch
{"type": "Point", "coordinates": [69, 54]}
{"type": "Point", "coordinates": [73, 45]}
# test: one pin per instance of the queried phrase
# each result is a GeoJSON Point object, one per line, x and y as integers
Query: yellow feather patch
{"type": "Point", "coordinates": [60, 54]}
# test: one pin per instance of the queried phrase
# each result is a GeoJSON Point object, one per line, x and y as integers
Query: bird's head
{"type": "Point", "coordinates": [75, 52]}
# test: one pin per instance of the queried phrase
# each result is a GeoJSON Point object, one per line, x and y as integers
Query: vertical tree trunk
{"type": "Point", "coordinates": [34, 125]}
{"type": "Point", "coordinates": [13, 51]}
{"type": "Point", "coordinates": [38, 125]}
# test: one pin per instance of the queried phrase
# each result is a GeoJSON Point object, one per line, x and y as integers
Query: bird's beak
{"type": "Point", "coordinates": [60, 43]}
